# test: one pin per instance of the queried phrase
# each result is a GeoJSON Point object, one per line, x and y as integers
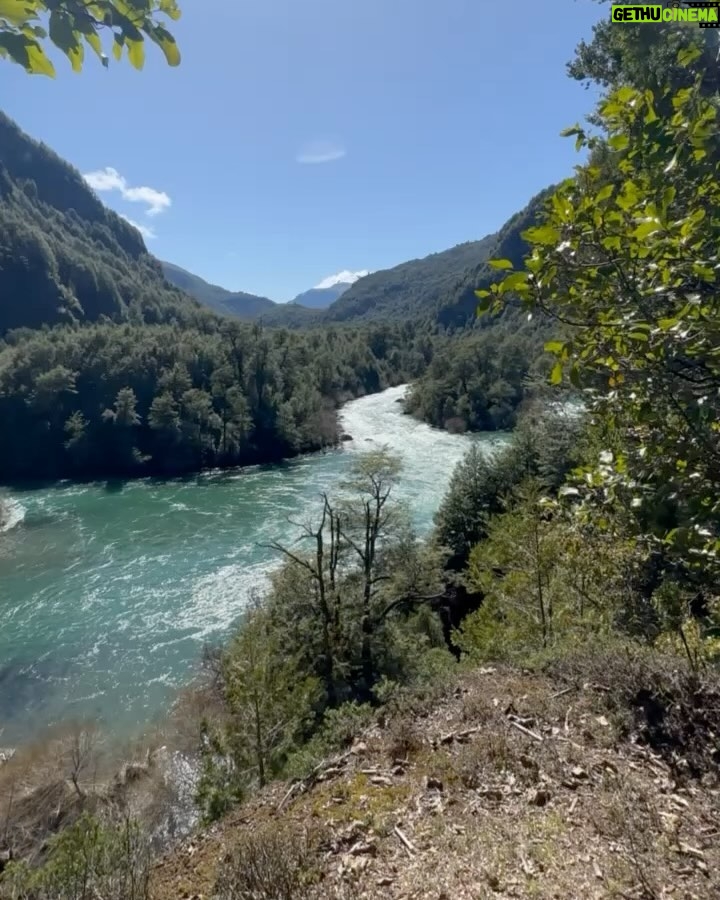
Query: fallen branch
{"type": "Point", "coordinates": [409, 846]}
{"type": "Point", "coordinates": [533, 734]}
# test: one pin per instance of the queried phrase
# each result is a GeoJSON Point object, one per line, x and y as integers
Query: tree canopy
{"type": "Point", "coordinates": [28, 27]}
{"type": "Point", "coordinates": [626, 262]}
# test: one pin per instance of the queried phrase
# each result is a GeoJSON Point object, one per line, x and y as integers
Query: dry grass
{"type": "Point", "coordinates": [514, 786]}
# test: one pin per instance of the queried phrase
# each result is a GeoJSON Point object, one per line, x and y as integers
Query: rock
{"type": "Point", "coordinates": [579, 773]}
{"type": "Point", "coordinates": [540, 797]}
{"type": "Point", "coordinates": [433, 784]}
{"type": "Point", "coordinates": [345, 437]}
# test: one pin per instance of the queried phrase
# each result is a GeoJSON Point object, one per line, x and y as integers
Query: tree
{"type": "Point", "coordinates": [475, 491]}
{"type": "Point", "coordinates": [268, 702]}
{"type": "Point", "coordinates": [337, 603]}
{"type": "Point", "coordinates": [545, 578]}
{"type": "Point", "coordinates": [645, 58]}
{"type": "Point", "coordinates": [26, 26]}
{"type": "Point", "coordinates": [626, 263]}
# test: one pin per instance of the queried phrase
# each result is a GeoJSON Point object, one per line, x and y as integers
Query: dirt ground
{"type": "Point", "coordinates": [514, 786]}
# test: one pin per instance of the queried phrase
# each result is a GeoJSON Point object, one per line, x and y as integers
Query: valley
{"type": "Point", "coordinates": [407, 586]}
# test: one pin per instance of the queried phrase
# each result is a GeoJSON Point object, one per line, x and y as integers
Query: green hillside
{"type": "Point", "coordinates": [230, 303]}
{"type": "Point", "coordinates": [64, 257]}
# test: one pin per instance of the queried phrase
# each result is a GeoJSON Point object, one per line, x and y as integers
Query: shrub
{"type": "Point", "coordinates": [88, 860]}
{"type": "Point", "coordinates": [270, 863]}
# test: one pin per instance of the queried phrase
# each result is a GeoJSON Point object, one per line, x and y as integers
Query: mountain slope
{"type": "Point", "coordinates": [508, 784]}
{"type": "Point", "coordinates": [412, 287]}
{"type": "Point", "coordinates": [64, 257]}
{"type": "Point", "coordinates": [233, 303]}
{"type": "Point", "coordinates": [321, 298]}
{"type": "Point", "coordinates": [440, 288]}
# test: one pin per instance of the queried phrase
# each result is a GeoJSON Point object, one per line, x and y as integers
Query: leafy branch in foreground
{"type": "Point", "coordinates": [627, 262]}
{"type": "Point", "coordinates": [26, 26]}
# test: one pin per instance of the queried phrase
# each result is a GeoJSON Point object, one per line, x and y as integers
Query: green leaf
{"type": "Point", "coordinates": [555, 346]}
{"type": "Point", "coordinates": [556, 374]}
{"type": "Point", "coordinates": [604, 193]}
{"type": "Point", "coordinates": [38, 63]}
{"type": "Point", "coordinates": [619, 142]}
{"type": "Point", "coordinates": [500, 264]}
{"type": "Point", "coordinates": [625, 94]}
{"type": "Point", "coordinates": [94, 41]}
{"type": "Point", "coordinates": [646, 228]}
{"type": "Point", "coordinates": [17, 12]}
{"type": "Point", "coordinates": [573, 129]}
{"type": "Point", "coordinates": [687, 56]}
{"type": "Point", "coordinates": [516, 282]}
{"type": "Point", "coordinates": [167, 44]}
{"type": "Point", "coordinates": [66, 39]}
{"type": "Point", "coordinates": [542, 234]}
{"type": "Point", "coordinates": [136, 53]}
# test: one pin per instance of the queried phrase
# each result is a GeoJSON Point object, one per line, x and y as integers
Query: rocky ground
{"type": "Point", "coordinates": [513, 786]}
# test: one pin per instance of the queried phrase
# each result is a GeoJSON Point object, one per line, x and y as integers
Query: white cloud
{"type": "Point", "coordinates": [344, 277]}
{"type": "Point", "coordinates": [146, 232]}
{"type": "Point", "coordinates": [320, 152]}
{"type": "Point", "coordinates": [109, 179]}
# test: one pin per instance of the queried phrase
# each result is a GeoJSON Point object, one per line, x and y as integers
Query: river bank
{"type": "Point", "coordinates": [110, 592]}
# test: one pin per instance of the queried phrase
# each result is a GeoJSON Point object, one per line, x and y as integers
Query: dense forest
{"type": "Point", "coordinates": [108, 369]}
{"type": "Point", "coordinates": [110, 399]}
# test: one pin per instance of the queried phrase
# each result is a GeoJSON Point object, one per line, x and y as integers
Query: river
{"type": "Point", "coordinates": [108, 592]}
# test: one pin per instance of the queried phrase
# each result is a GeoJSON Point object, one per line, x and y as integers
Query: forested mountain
{"type": "Point", "coordinates": [134, 376]}
{"type": "Point", "coordinates": [64, 257]}
{"type": "Point", "coordinates": [321, 298]}
{"type": "Point", "coordinates": [107, 369]}
{"type": "Point", "coordinates": [411, 288]}
{"type": "Point", "coordinates": [231, 303]}
{"type": "Point", "coordinates": [439, 289]}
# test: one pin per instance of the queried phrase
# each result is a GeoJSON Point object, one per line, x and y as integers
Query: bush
{"type": "Point", "coordinates": [270, 863]}
{"type": "Point", "coordinates": [90, 859]}
{"type": "Point", "coordinates": [655, 696]}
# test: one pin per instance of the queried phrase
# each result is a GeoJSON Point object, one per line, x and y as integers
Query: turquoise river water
{"type": "Point", "coordinates": [108, 592]}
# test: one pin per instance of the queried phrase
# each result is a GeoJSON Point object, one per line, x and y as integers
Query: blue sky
{"type": "Point", "coordinates": [300, 138]}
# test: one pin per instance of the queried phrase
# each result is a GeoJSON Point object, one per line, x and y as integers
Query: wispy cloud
{"type": "Point", "coordinates": [146, 232]}
{"type": "Point", "coordinates": [109, 179]}
{"type": "Point", "coordinates": [344, 277]}
{"type": "Point", "coordinates": [317, 152]}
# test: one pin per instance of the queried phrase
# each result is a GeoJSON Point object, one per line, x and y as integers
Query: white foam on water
{"type": "Point", "coordinates": [111, 593]}
{"type": "Point", "coordinates": [14, 513]}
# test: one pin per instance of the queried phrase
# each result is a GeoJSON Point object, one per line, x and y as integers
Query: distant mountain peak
{"type": "Point", "coordinates": [344, 277]}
